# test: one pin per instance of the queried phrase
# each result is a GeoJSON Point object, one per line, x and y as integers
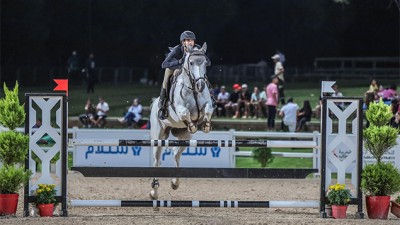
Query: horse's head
{"type": "Point", "coordinates": [195, 66]}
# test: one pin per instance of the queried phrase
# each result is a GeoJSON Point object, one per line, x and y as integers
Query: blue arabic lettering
{"type": "Point", "coordinates": [90, 150]}
{"type": "Point", "coordinates": [215, 152]}
{"type": "Point", "coordinates": [136, 150]}
{"type": "Point", "coordinates": [166, 152]}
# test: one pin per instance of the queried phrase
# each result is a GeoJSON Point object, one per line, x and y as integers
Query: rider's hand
{"type": "Point", "coordinates": [182, 60]}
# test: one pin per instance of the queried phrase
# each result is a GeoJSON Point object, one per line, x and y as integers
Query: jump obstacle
{"type": "Point", "coordinates": [326, 161]}
{"type": "Point", "coordinates": [196, 204]}
{"type": "Point", "coordinates": [193, 143]}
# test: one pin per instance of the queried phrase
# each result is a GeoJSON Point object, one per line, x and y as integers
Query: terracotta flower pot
{"type": "Point", "coordinates": [8, 204]}
{"type": "Point", "coordinates": [377, 206]}
{"type": "Point", "coordinates": [46, 209]}
{"type": "Point", "coordinates": [395, 209]}
{"type": "Point", "coordinates": [339, 211]}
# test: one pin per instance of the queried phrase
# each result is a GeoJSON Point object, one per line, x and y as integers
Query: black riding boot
{"type": "Point", "coordinates": [162, 105]}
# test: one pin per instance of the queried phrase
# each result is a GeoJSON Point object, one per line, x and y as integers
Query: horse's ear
{"type": "Point", "coordinates": [204, 47]}
{"type": "Point", "coordinates": [170, 49]}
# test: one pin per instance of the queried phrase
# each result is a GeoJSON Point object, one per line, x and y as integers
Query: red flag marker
{"type": "Point", "coordinates": [62, 85]}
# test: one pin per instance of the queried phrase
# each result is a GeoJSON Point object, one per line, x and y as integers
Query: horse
{"type": "Point", "coordinates": [190, 107]}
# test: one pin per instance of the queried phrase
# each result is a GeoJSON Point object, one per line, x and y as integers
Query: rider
{"type": "Point", "coordinates": [174, 60]}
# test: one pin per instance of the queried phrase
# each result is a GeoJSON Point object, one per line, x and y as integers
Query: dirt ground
{"type": "Point", "coordinates": [80, 187]}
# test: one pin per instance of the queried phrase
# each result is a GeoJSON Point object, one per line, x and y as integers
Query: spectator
{"type": "Point", "coordinates": [373, 87]}
{"type": "Point", "coordinates": [279, 70]}
{"type": "Point", "coordinates": [338, 94]}
{"type": "Point", "coordinates": [256, 102]}
{"type": "Point", "coordinates": [289, 114]}
{"type": "Point", "coordinates": [318, 107]}
{"type": "Point", "coordinates": [38, 123]}
{"type": "Point", "coordinates": [389, 93]}
{"type": "Point", "coordinates": [232, 105]}
{"type": "Point", "coordinates": [90, 111]}
{"type": "Point", "coordinates": [222, 100]}
{"type": "Point", "coordinates": [304, 115]}
{"type": "Point", "coordinates": [134, 114]}
{"type": "Point", "coordinates": [73, 66]}
{"type": "Point", "coordinates": [102, 109]}
{"type": "Point", "coordinates": [272, 101]}
{"type": "Point", "coordinates": [369, 97]}
{"type": "Point", "coordinates": [282, 57]}
{"type": "Point", "coordinates": [216, 90]}
{"type": "Point", "coordinates": [90, 73]}
{"type": "Point", "coordinates": [243, 102]}
{"type": "Point", "coordinates": [263, 106]}
{"type": "Point", "coordinates": [395, 121]}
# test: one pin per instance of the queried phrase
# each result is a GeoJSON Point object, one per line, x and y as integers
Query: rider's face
{"type": "Point", "coordinates": [188, 42]}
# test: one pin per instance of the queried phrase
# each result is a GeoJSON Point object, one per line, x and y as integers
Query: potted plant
{"type": "Point", "coordinates": [263, 156]}
{"type": "Point", "coordinates": [379, 180]}
{"type": "Point", "coordinates": [45, 199]}
{"type": "Point", "coordinates": [13, 150]}
{"type": "Point", "coordinates": [12, 179]}
{"type": "Point", "coordinates": [339, 198]}
{"type": "Point", "coordinates": [395, 209]}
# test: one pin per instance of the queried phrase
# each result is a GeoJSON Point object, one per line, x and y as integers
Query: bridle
{"type": "Point", "coordinates": [188, 71]}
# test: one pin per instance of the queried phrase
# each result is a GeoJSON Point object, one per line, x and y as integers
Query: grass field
{"type": "Point", "coordinates": [119, 97]}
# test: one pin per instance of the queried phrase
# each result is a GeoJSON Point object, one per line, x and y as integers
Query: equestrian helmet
{"type": "Point", "coordinates": [187, 35]}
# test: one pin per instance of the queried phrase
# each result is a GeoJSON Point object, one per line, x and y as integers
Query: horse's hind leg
{"type": "Point", "coordinates": [156, 132]}
{"type": "Point", "coordinates": [183, 135]}
{"type": "Point", "coordinates": [155, 184]}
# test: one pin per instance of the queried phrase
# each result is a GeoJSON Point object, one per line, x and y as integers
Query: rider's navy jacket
{"type": "Point", "coordinates": [172, 60]}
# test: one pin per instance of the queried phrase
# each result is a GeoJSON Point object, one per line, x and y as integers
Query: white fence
{"type": "Point", "coordinates": [109, 156]}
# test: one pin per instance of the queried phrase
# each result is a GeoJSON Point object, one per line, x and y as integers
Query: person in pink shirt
{"type": "Point", "coordinates": [389, 93]}
{"type": "Point", "coordinates": [272, 101]}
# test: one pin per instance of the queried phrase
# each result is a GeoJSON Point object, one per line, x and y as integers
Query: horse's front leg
{"type": "Point", "coordinates": [177, 155]}
{"type": "Point", "coordinates": [155, 184]}
{"type": "Point", "coordinates": [184, 115]}
{"type": "Point", "coordinates": [208, 111]}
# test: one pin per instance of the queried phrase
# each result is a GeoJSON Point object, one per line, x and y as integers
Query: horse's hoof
{"type": "Point", "coordinates": [174, 186]}
{"type": "Point", "coordinates": [206, 129]}
{"type": "Point", "coordinates": [192, 129]}
{"type": "Point", "coordinates": [153, 195]}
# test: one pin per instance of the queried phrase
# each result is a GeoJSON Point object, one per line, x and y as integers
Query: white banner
{"type": "Point", "coordinates": [139, 156]}
{"type": "Point", "coordinates": [393, 156]}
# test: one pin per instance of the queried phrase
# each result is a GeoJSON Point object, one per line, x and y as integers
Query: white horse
{"type": "Point", "coordinates": [190, 107]}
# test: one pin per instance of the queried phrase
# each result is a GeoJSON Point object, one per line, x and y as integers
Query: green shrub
{"type": "Point", "coordinates": [379, 140]}
{"type": "Point", "coordinates": [13, 147]}
{"type": "Point", "coordinates": [380, 179]}
{"type": "Point", "coordinates": [12, 179]}
{"type": "Point", "coordinates": [263, 156]}
{"type": "Point", "coordinates": [12, 113]}
{"type": "Point", "coordinates": [379, 114]}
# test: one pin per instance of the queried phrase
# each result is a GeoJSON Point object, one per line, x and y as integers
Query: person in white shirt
{"type": "Point", "coordinates": [222, 100]}
{"type": "Point", "coordinates": [134, 114]}
{"type": "Point", "coordinates": [102, 109]}
{"type": "Point", "coordinates": [338, 94]}
{"type": "Point", "coordinates": [289, 114]}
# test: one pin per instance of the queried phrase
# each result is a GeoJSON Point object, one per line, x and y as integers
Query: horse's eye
{"type": "Point", "coordinates": [191, 63]}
